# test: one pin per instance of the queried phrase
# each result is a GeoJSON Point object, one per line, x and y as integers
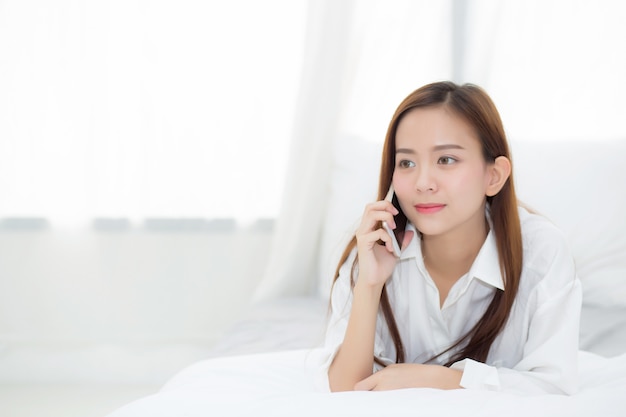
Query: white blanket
{"type": "Point", "coordinates": [291, 383]}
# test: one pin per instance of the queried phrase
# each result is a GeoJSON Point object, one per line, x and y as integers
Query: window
{"type": "Point", "coordinates": [146, 108]}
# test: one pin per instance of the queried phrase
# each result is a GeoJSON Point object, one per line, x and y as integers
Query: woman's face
{"type": "Point", "coordinates": [440, 176]}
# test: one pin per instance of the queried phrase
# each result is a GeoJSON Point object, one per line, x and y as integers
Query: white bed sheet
{"type": "Point", "coordinates": [290, 383]}
{"type": "Point", "coordinates": [267, 364]}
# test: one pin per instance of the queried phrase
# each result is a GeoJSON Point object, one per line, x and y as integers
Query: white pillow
{"type": "Point", "coordinates": [580, 186]}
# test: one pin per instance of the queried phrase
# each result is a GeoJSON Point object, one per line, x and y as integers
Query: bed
{"type": "Point", "coordinates": [269, 362]}
{"type": "Point", "coordinates": [264, 367]}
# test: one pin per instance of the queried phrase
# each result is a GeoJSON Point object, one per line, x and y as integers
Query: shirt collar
{"type": "Point", "coordinates": [414, 249]}
{"type": "Point", "coordinates": [486, 266]}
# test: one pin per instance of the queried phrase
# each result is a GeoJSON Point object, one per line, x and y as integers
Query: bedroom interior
{"type": "Point", "coordinates": [122, 297]}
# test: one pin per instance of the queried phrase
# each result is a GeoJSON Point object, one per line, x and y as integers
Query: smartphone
{"type": "Point", "coordinates": [394, 241]}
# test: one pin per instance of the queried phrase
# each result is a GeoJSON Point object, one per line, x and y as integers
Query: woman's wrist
{"type": "Point", "coordinates": [368, 290]}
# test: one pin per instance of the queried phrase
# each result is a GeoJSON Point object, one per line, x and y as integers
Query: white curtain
{"type": "Point", "coordinates": [554, 68]}
{"type": "Point", "coordinates": [361, 59]}
{"type": "Point", "coordinates": [291, 265]}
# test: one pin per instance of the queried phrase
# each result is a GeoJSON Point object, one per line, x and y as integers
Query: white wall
{"type": "Point", "coordinates": [131, 303]}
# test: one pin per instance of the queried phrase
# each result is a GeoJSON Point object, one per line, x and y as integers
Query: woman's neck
{"type": "Point", "coordinates": [448, 257]}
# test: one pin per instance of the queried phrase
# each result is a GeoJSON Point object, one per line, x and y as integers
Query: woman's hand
{"type": "Point", "coordinates": [376, 261]}
{"type": "Point", "coordinates": [411, 375]}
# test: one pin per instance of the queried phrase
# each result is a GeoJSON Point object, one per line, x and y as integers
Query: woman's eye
{"type": "Point", "coordinates": [406, 164]}
{"type": "Point", "coordinates": [446, 160]}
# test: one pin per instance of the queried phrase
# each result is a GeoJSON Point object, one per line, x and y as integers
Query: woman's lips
{"type": "Point", "coordinates": [429, 208]}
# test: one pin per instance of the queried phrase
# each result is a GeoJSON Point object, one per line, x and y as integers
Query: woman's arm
{"type": "Point", "coordinates": [412, 375]}
{"type": "Point", "coordinates": [550, 349]}
{"type": "Point", "coordinates": [549, 365]}
{"type": "Point", "coordinates": [355, 359]}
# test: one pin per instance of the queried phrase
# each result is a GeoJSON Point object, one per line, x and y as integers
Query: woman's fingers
{"type": "Point", "coordinates": [370, 231]}
{"type": "Point", "coordinates": [378, 212]}
{"type": "Point", "coordinates": [375, 245]}
{"type": "Point", "coordinates": [383, 237]}
{"type": "Point", "coordinates": [367, 384]}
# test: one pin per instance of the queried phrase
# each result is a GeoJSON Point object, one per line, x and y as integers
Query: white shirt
{"type": "Point", "coordinates": [536, 352]}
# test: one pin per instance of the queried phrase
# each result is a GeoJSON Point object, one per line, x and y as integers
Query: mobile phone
{"type": "Point", "coordinates": [394, 241]}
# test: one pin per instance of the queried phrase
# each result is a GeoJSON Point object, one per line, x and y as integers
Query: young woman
{"type": "Point", "coordinates": [483, 295]}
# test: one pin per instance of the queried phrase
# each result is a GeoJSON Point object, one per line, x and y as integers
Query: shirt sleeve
{"type": "Point", "coordinates": [550, 352]}
{"type": "Point", "coordinates": [340, 305]}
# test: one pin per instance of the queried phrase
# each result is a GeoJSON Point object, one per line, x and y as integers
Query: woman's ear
{"type": "Point", "coordinates": [499, 172]}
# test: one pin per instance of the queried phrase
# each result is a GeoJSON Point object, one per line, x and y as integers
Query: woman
{"type": "Point", "coordinates": [483, 295]}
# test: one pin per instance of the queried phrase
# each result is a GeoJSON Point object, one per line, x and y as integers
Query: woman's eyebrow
{"type": "Point", "coordinates": [447, 146]}
{"type": "Point", "coordinates": [435, 148]}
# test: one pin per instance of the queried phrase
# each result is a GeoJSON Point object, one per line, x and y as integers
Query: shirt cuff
{"type": "Point", "coordinates": [477, 375]}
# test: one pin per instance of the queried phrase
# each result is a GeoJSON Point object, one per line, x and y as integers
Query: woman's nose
{"type": "Point", "coordinates": [425, 180]}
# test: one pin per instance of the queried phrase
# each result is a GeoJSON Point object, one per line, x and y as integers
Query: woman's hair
{"type": "Point", "coordinates": [473, 105]}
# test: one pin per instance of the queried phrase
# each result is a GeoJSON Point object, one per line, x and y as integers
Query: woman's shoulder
{"type": "Point", "coordinates": [546, 250]}
{"type": "Point", "coordinates": [540, 232]}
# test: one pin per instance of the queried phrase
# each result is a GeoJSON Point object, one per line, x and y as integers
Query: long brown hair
{"type": "Point", "coordinates": [474, 106]}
